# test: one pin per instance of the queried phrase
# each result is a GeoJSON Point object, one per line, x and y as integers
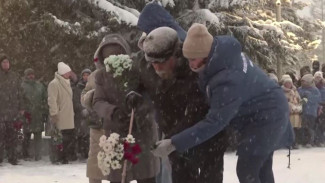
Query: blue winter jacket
{"type": "Point", "coordinates": [322, 93]}
{"type": "Point", "coordinates": [241, 96]}
{"type": "Point", "coordinates": [154, 16]}
{"type": "Point", "coordinates": [313, 99]}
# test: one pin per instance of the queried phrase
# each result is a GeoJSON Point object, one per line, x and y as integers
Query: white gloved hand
{"type": "Point", "coordinates": [164, 148]}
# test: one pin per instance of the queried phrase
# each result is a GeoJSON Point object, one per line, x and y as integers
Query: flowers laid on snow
{"type": "Point", "coordinates": [114, 150]}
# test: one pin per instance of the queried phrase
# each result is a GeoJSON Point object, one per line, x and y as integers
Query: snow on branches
{"type": "Point", "coordinates": [122, 15]}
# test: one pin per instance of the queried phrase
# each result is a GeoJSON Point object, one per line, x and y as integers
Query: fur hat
{"type": "Point", "coordinates": [160, 44]}
{"type": "Point", "coordinates": [29, 71]}
{"type": "Point", "coordinates": [63, 68]}
{"type": "Point", "coordinates": [198, 42]}
{"type": "Point", "coordinates": [308, 79]}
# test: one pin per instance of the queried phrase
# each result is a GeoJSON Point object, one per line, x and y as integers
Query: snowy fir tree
{"type": "Point", "coordinates": [40, 33]}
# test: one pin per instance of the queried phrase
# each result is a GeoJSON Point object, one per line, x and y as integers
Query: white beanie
{"type": "Point", "coordinates": [286, 78]}
{"type": "Point", "coordinates": [318, 74]}
{"type": "Point", "coordinates": [63, 68]}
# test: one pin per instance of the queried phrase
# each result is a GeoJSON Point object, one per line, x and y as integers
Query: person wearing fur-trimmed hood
{"type": "Point", "coordinates": [109, 103]}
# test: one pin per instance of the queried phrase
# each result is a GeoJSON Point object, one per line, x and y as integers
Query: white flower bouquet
{"type": "Point", "coordinates": [119, 65]}
{"type": "Point", "coordinates": [114, 150]}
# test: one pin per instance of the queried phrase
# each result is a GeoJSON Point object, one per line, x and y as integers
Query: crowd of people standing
{"type": "Point", "coordinates": [25, 110]}
{"type": "Point", "coordinates": [306, 99]}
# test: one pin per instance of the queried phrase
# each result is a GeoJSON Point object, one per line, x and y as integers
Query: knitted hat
{"type": "Point", "coordinates": [198, 42]}
{"type": "Point", "coordinates": [63, 68]}
{"type": "Point", "coordinates": [308, 79]}
{"type": "Point", "coordinates": [29, 71]}
{"type": "Point", "coordinates": [85, 71]}
{"type": "Point", "coordinates": [318, 74]}
{"type": "Point", "coordinates": [286, 78]}
{"type": "Point", "coordinates": [160, 44]}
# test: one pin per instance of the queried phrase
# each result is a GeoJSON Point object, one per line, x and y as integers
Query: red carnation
{"type": "Point", "coordinates": [129, 156]}
{"type": "Point", "coordinates": [18, 125]}
{"type": "Point", "coordinates": [59, 147]}
{"type": "Point", "coordinates": [136, 149]}
{"type": "Point", "coordinates": [126, 145]}
{"type": "Point", "coordinates": [135, 160]}
{"type": "Point", "coordinates": [28, 116]}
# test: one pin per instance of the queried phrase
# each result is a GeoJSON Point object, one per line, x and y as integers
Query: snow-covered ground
{"type": "Point", "coordinates": [307, 166]}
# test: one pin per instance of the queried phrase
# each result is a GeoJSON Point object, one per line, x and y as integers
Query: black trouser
{"type": "Point", "coordinates": [255, 169]}
{"type": "Point", "coordinates": [149, 180]}
{"type": "Point", "coordinates": [68, 145]}
{"type": "Point", "coordinates": [308, 129]}
{"type": "Point", "coordinates": [320, 130]}
{"type": "Point", "coordinates": [8, 141]}
{"type": "Point", "coordinates": [83, 145]}
{"type": "Point", "coordinates": [208, 157]}
{"type": "Point", "coordinates": [37, 144]}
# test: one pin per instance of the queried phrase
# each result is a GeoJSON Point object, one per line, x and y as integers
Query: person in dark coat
{"type": "Point", "coordinates": [316, 66]}
{"type": "Point", "coordinates": [293, 78]}
{"type": "Point", "coordinates": [165, 75]}
{"type": "Point", "coordinates": [36, 111]}
{"type": "Point", "coordinates": [109, 103]}
{"type": "Point", "coordinates": [303, 71]}
{"type": "Point", "coordinates": [241, 96]}
{"type": "Point", "coordinates": [10, 110]}
{"type": "Point", "coordinates": [81, 128]}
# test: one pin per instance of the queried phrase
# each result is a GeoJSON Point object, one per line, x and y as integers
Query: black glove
{"type": "Point", "coordinates": [120, 122]}
{"type": "Point", "coordinates": [119, 115]}
{"type": "Point", "coordinates": [133, 100]}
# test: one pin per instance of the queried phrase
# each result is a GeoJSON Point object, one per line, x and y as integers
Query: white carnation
{"type": "Point", "coordinates": [116, 165]}
{"type": "Point", "coordinates": [120, 155]}
{"type": "Point", "coordinates": [107, 162]}
{"type": "Point", "coordinates": [100, 155]}
{"type": "Point", "coordinates": [102, 140]}
{"type": "Point", "coordinates": [111, 154]}
{"type": "Point", "coordinates": [114, 136]}
{"type": "Point", "coordinates": [130, 139]}
{"type": "Point", "coordinates": [105, 171]}
{"type": "Point", "coordinates": [107, 147]}
{"type": "Point", "coordinates": [120, 148]}
{"type": "Point", "coordinates": [111, 141]}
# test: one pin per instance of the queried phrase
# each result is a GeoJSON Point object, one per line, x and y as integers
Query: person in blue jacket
{"type": "Point", "coordinates": [310, 108]}
{"type": "Point", "coordinates": [240, 96]}
{"type": "Point", "coordinates": [320, 121]}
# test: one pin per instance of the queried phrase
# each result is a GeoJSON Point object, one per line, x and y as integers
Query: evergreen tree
{"type": "Point", "coordinates": [40, 33]}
